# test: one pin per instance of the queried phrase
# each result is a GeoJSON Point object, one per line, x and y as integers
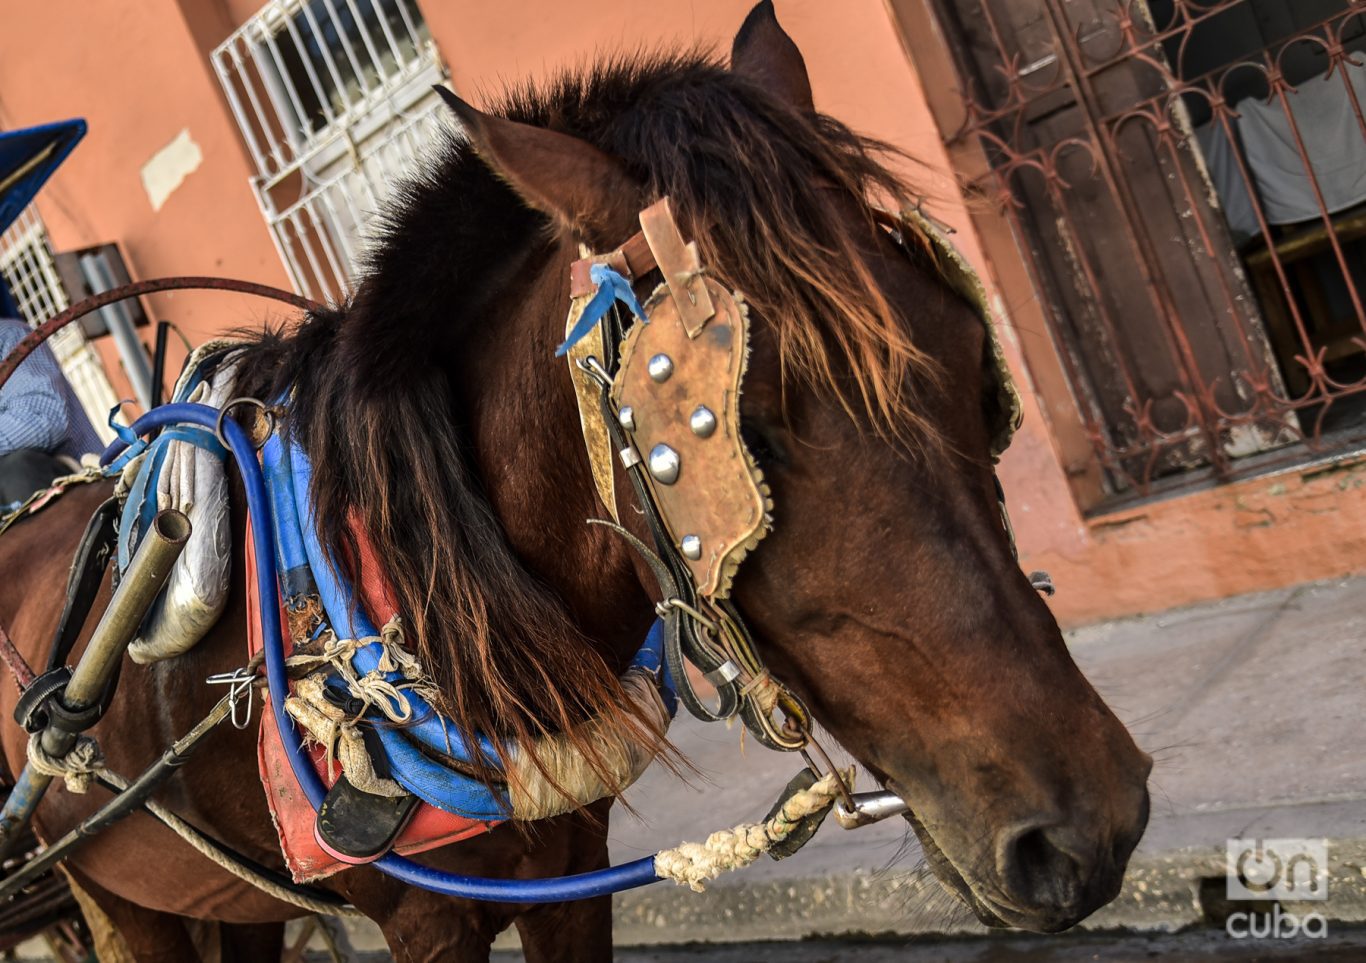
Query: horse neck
{"type": "Point", "coordinates": [528, 449]}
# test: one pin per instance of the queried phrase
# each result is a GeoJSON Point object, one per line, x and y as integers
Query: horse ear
{"type": "Point", "coordinates": [763, 52]}
{"type": "Point", "coordinates": [570, 180]}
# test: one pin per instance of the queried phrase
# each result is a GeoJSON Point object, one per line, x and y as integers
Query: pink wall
{"type": "Point", "coordinates": [139, 72]}
{"type": "Point", "coordinates": [135, 73]}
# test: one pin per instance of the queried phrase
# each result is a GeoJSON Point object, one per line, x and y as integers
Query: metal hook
{"type": "Point", "coordinates": [846, 796]}
{"type": "Point", "coordinates": [662, 610]}
{"type": "Point", "coordinates": [239, 683]}
{"type": "Point", "coordinates": [594, 369]}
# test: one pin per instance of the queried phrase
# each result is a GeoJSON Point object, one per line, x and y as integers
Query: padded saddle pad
{"type": "Point", "coordinates": [290, 809]}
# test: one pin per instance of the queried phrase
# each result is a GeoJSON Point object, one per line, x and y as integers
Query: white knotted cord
{"type": "Point", "coordinates": [336, 730]}
{"type": "Point", "coordinates": [694, 864]}
{"type": "Point", "coordinates": [373, 689]}
{"type": "Point", "coordinates": [547, 778]}
{"type": "Point", "coordinates": [77, 768]}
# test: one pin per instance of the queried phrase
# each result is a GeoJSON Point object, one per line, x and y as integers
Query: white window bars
{"type": "Point", "coordinates": [29, 272]}
{"type": "Point", "coordinates": [334, 101]}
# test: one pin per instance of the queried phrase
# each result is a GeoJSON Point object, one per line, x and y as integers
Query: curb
{"type": "Point", "coordinates": [1162, 892]}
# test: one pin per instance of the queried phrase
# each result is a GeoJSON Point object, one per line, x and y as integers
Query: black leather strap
{"type": "Point", "coordinates": [83, 580]}
{"type": "Point", "coordinates": [686, 639]}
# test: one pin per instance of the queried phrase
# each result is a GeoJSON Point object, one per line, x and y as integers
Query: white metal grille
{"type": "Point", "coordinates": [29, 273]}
{"type": "Point", "coordinates": [334, 101]}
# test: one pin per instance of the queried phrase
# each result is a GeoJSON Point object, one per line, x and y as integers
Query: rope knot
{"type": "Point", "coordinates": [77, 768]}
{"type": "Point", "coordinates": [765, 690]}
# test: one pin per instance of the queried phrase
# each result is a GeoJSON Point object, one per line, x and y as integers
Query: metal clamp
{"type": "Point", "coordinates": [724, 673]}
{"type": "Point", "coordinates": [239, 683]}
{"type": "Point", "coordinates": [32, 709]}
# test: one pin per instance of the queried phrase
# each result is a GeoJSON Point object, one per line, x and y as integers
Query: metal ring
{"type": "Point", "coordinates": [232, 403]}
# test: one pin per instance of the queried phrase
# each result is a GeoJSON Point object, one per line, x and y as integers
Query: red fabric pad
{"type": "Point", "coordinates": [294, 816]}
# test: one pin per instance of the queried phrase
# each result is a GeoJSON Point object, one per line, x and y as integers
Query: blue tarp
{"type": "Point", "coordinates": [41, 149]}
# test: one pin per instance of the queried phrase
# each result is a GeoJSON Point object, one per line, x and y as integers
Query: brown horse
{"type": "Point", "coordinates": [887, 595]}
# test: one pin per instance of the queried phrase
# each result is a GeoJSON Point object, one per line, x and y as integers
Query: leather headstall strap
{"type": "Point", "coordinates": [670, 405]}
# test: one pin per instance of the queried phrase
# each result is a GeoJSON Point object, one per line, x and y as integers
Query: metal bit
{"type": "Point", "coordinates": [869, 807]}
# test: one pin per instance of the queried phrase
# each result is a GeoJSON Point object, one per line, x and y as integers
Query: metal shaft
{"type": "Point", "coordinates": [146, 576]}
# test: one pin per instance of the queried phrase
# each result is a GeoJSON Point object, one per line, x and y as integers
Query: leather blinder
{"type": "Point", "coordinates": [683, 392]}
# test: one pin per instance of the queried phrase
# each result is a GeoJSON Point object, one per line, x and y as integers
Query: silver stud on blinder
{"type": "Point", "coordinates": [661, 367]}
{"type": "Point", "coordinates": [626, 417]}
{"type": "Point", "coordinates": [702, 422]}
{"type": "Point", "coordinates": [664, 464]}
{"type": "Point", "coordinates": [691, 546]}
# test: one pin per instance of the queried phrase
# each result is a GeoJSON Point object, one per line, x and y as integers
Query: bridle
{"type": "Point", "coordinates": [703, 626]}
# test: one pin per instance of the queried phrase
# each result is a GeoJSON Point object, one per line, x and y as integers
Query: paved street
{"type": "Point", "coordinates": [1347, 947]}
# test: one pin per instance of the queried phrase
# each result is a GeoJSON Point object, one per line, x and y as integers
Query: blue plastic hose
{"type": "Point", "coordinates": [557, 889]}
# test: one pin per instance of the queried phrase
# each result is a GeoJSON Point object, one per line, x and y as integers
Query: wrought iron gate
{"type": "Point", "coordinates": [1188, 181]}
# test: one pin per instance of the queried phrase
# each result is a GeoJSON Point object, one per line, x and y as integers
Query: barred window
{"type": "Point", "coordinates": [334, 102]}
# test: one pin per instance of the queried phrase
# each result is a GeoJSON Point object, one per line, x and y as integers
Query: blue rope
{"type": "Point", "coordinates": [288, 474]}
{"type": "Point", "coordinates": [560, 889]}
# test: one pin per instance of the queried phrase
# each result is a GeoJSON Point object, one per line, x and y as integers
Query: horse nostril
{"type": "Point", "coordinates": [1040, 869]}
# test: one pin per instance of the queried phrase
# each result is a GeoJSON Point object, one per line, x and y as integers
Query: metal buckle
{"type": "Point", "coordinates": [239, 682]}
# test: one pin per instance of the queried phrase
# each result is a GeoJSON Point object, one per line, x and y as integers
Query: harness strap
{"type": "Point", "coordinates": [681, 636]}
{"type": "Point", "coordinates": [634, 260]}
{"type": "Point", "coordinates": [83, 581]}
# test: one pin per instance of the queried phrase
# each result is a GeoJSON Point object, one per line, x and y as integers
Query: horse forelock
{"type": "Point", "coordinates": [374, 407]}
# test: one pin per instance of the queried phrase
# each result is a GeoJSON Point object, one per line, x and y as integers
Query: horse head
{"type": "Point", "coordinates": [887, 595]}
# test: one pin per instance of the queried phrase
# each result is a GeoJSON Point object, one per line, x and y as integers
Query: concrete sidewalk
{"type": "Point", "coordinates": [1252, 706]}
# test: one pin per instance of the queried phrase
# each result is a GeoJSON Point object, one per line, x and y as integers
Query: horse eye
{"type": "Point", "coordinates": [761, 444]}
